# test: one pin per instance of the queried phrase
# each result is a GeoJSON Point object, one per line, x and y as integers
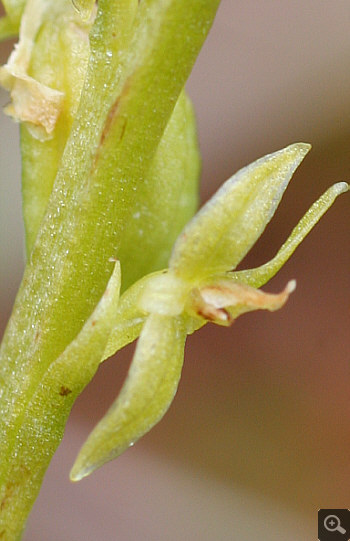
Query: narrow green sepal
{"type": "Point", "coordinates": [145, 397]}
{"type": "Point", "coordinates": [261, 275]}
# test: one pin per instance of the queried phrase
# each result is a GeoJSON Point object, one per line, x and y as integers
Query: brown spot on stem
{"type": "Point", "coordinates": [8, 493]}
{"type": "Point", "coordinates": [24, 470]}
{"type": "Point", "coordinates": [111, 115]}
{"type": "Point", "coordinates": [113, 112]}
{"type": "Point", "coordinates": [64, 391]}
{"type": "Point", "coordinates": [10, 488]}
{"type": "Point", "coordinates": [123, 129]}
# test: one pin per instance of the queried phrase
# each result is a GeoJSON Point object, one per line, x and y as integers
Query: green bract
{"type": "Point", "coordinates": [199, 286]}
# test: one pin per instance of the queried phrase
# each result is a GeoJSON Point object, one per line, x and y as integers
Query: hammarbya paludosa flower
{"type": "Point", "coordinates": [200, 285]}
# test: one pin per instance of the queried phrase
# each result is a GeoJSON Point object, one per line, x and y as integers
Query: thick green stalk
{"type": "Point", "coordinates": [44, 418]}
{"type": "Point", "coordinates": [59, 61]}
{"type": "Point", "coordinates": [135, 76]}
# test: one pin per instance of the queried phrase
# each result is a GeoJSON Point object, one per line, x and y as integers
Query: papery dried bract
{"type": "Point", "coordinates": [32, 101]}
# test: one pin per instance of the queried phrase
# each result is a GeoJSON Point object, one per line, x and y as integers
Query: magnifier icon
{"type": "Point", "coordinates": [332, 524]}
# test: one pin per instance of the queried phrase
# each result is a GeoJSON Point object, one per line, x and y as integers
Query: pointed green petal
{"type": "Point", "coordinates": [149, 390]}
{"type": "Point", "coordinates": [225, 229]}
{"type": "Point", "coordinates": [259, 276]}
{"type": "Point", "coordinates": [46, 407]}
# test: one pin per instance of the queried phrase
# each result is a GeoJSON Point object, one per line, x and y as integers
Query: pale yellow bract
{"type": "Point", "coordinates": [32, 102]}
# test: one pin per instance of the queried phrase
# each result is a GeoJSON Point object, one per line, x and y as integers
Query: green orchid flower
{"type": "Point", "coordinates": [199, 286]}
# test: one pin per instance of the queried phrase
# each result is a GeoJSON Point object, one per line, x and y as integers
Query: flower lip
{"type": "Point", "coordinates": [223, 301]}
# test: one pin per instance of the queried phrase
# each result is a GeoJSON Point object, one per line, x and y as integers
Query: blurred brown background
{"type": "Point", "coordinates": [257, 438]}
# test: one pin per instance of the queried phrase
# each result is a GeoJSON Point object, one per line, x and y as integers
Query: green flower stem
{"type": "Point", "coordinates": [134, 79]}
{"type": "Point", "coordinates": [59, 61]}
{"type": "Point", "coordinates": [44, 418]}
